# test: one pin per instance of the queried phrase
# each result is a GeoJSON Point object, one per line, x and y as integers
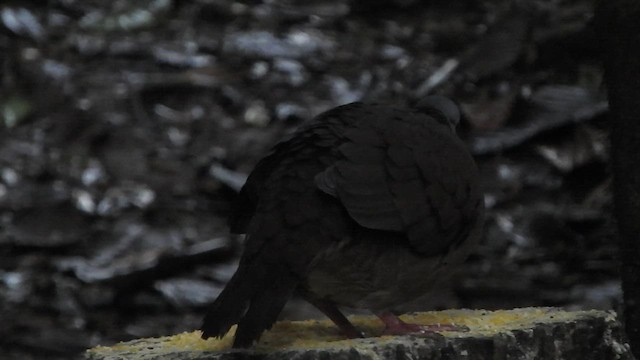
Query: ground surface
{"type": "Point", "coordinates": [125, 129]}
{"type": "Point", "coordinates": [523, 333]}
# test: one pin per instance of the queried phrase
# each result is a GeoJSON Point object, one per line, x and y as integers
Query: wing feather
{"type": "Point", "coordinates": [397, 176]}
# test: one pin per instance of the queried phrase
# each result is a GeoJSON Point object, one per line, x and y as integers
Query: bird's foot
{"type": "Point", "coordinates": [395, 326]}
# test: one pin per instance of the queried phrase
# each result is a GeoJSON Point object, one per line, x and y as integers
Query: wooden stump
{"type": "Point", "coordinates": [528, 333]}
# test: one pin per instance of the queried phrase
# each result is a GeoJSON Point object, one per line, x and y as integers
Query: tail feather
{"type": "Point", "coordinates": [253, 299]}
{"type": "Point", "coordinates": [264, 310]}
{"type": "Point", "coordinates": [228, 308]}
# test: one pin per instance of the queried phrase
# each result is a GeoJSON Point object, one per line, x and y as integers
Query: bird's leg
{"type": "Point", "coordinates": [333, 313]}
{"type": "Point", "coordinates": [395, 326]}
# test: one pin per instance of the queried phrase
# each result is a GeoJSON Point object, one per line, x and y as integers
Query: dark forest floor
{"type": "Point", "coordinates": [126, 128]}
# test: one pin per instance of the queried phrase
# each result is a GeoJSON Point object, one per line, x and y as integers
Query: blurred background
{"type": "Point", "coordinates": [127, 127]}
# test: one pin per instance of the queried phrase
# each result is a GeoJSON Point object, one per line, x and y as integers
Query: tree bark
{"type": "Point", "coordinates": [618, 25]}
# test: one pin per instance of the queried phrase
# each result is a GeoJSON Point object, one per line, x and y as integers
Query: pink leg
{"type": "Point", "coordinates": [333, 313]}
{"type": "Point", "coordinates": [395, 326]}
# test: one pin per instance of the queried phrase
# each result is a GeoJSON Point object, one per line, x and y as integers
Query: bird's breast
{"type": "Point", "coordinates": [372, 275]}
{"type": "Point", "coordinates": [380, 271]}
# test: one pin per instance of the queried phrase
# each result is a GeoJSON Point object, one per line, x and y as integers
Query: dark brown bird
{"type": "Point", "coordinates": [367, 206]}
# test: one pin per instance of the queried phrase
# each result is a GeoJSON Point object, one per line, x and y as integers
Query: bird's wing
{"type": "Point", "coordinates": [405, 177]}
{"type": "Point", "coordinates": [244, 207]}
{"type": "Point", "coordinates": [320, 134]}
{"type": "Point", "coordinates": [246, 202]}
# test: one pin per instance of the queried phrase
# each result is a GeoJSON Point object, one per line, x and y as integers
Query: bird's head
{"type": "Point", "coordinates": [442, 109]}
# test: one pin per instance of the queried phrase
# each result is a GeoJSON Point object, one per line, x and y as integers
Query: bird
{"type": "Point", "coordinates": [366, 206]}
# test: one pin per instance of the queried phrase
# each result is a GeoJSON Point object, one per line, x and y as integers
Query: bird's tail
{"type": "Point", "coordinates": [253, 299]}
